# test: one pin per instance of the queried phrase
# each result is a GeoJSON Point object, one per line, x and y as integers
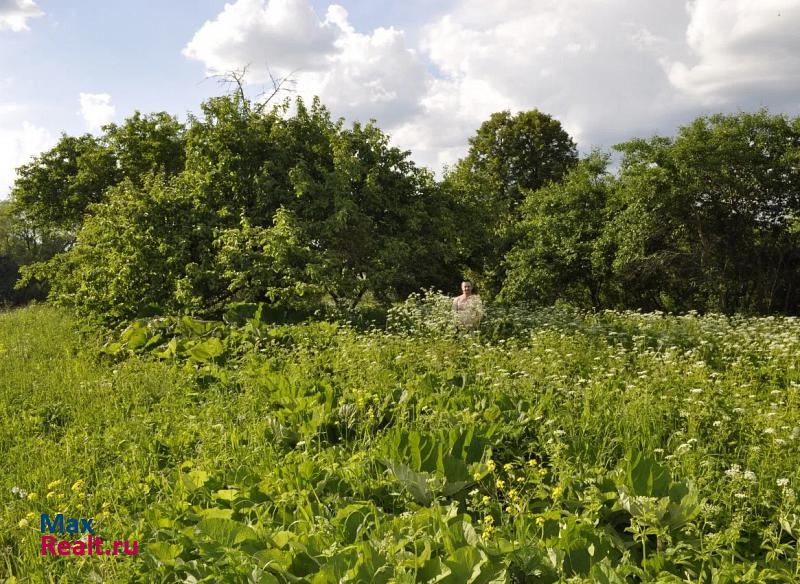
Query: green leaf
{"type": "Point", "coordinates": [354, 520]}
{"type": "Point", "coordinates": [207, 350]}
{"type": "Point", "coordinates": [465, 565]}
{"type": "Point", "coordinates": [226, 532]}
{"type": "Point", "coordinates": [135, 336]}
{"type": "Point", "coordinates": [215, 513]}
{"type": "Point", "coordinates": [226, 494]}
{"type": "Point", "coordinates": [165, 553]}
{"type": "Point", "coordinates": [195, 479]}
{"type": "Point", "coordinates": [193, 327]}
{"type": "Point", "coordinates": [415, 482]}
{"type": "Point", "coordinates": [603, 573]}
{"type": "Point", "coordinates": [647, 477]}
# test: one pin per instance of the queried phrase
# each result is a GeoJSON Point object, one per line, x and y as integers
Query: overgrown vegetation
{"type": "Point", "coordinates": [286, 206]}
{"type": "Point", "coordinates": [241, 414]}
{"type": "Point", "coordinates": [553, 446]}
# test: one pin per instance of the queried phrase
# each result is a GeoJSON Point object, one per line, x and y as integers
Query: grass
{"type": "Point", "coordinates": [554, 447]}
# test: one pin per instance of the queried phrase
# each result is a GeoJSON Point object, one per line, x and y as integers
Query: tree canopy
{"type": "Point", "coordinates": [560, 224]}
{"type": "Point", "coordinates": [287, 206]}
{"type": "Point", "coordinates": [508, 157]}
{"type": "Point", "coordinates": [707, 220]}
{"type": "Point", "coordinates": [267, 207]}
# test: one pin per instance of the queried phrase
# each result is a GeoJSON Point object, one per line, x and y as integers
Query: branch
{"type": "Point", "coordinates": [234, 82]}
{"type": "Point", "coordinates": [278, 85]}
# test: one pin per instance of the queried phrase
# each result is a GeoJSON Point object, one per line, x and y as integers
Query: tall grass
{"type": "Point", "coordinates": [323, 453]}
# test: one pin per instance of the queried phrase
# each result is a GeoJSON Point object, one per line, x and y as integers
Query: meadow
{"type": "Point", "coordinates": [553, 445]}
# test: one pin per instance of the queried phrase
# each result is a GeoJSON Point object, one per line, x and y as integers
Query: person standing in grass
{"type": "Point", "coordinates": [467, 308]}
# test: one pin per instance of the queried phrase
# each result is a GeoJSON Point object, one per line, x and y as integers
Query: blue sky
{"type": "Point", "coordinates": [429, 72]}
{"type": "Point", "coordinates": [130, 50]}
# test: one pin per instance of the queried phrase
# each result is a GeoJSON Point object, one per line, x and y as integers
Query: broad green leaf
{"type": "Point", "coordinates": [647, 477]}
{"type": "Point", "coordinates": [135, 336]}
{"type": "Point", "coordinates": [226, 494]}
{"type": "Point", "coordinates": [415, 482]}
{"type": "Point", "coordinates": [164, 552]}
{"type": "Point", "coordinates": [215, 513]}
{"type": "Point", "coordinates": [226, 532]}
{"type": "Point", "coordinates": [603, 573]}
{"type": "Point", "coordinates": [194, 479]}
{"type": "Point", "coordinates": [207, 350]}
{"type": "Point", "coordinates": [354, 520]}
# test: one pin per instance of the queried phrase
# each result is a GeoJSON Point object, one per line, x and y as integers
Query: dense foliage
{"type": "Point", "coordinates": [269, 207]}
{"type": "Point", "coordinates": [568, 444]}
{"type": "Point", "coordinates": [508, 157]}
{"type": "Point", "coordinates": [285, 205]}
{"type": "Point", "coordinates": [554, 446]}
{"type": "Point", "coordinates": [555, 256]}
{"type": "Point", "coordinates": [22, 243]}
{"type": "Point", "coordinates": [709, 220]}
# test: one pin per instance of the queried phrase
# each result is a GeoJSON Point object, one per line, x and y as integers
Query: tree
{"type": "Point", "coordinates": [54, 190]}
{"type": "Point", "coordinates": [552, 258]}
{"type": "Point", "coordinates": [705, 219]}
{"type": "Point", "coordinates": [146, 144]}
{"type": "Point", "coordinates": [378, 220]}
{"type": "Point", "coordinates": [270, 207]}
{"type": "Point", "coordinates": [129, 254]}
{"type": "Point", "coordinates": [57, 188]}
{"type": "Point", "coordinates": [508, 157]}
{"type": "Point", "coordinates": [20, 244]}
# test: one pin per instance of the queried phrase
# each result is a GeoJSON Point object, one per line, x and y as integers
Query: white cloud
{"type": "Point", "coordinates": [594, 66]}
{"type": "Point", "coordinates": [359, 76]}
{"type": "Point", "coordinates": [283, 35]}
{"type": "Point", "coordinates": [609, 70]}
{"type": "Point", "coordinates": [17, 145]}
{"type": "Point", "coordinates": [740, 48]}
{"type": "Point", "coordinates": [370, 76]}
{"type": "Point", "coordinates": [14, 14]}
{"type": "Point", "coordinates": [97, 110]}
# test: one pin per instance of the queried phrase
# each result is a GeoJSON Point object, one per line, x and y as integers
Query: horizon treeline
{"type": "Point", "coordinates": [292, 208]}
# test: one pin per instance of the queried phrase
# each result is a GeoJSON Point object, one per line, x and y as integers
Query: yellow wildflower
{"type": "Point", "coordinates": [508, 467]}
{"type": "Point", "coordinates": [23, 523]}
{"type": "Point", "coordinates": [490, 465]}
{"type": "Point", "coordinates": [540, 521]}
{"type": "Point", "coordinates": [500, 483]}
{"type": "Point", "coordinates": [487, 533]}
{"type": "Point", "coordinates": [32, 496]}
{"type": "Point", "coordinates": [558, 491]}
{"type": "Point", "coordinates": [77, 486]}
{"type": "Point", "coordinates": [54, 484]}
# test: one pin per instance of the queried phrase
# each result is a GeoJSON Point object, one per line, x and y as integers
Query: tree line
{"type": "Point", "coordinates": [290, 207]}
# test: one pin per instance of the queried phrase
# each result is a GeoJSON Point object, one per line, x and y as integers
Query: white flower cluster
{"type": "Point", "coordinates": [21, 493]}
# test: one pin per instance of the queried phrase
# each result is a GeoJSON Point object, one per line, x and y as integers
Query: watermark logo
{"type": "Point", "coordinates": [87, 545]}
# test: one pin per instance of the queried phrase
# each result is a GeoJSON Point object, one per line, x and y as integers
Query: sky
{"type": "Point", "coordinates": [429, 72]}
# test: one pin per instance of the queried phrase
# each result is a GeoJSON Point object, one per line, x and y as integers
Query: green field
{"type": "Point", "coordinates": [553, 446]}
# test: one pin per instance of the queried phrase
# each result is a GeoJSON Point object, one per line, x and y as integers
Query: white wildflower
{"type": "Point", "coordinates": [734, 471]}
